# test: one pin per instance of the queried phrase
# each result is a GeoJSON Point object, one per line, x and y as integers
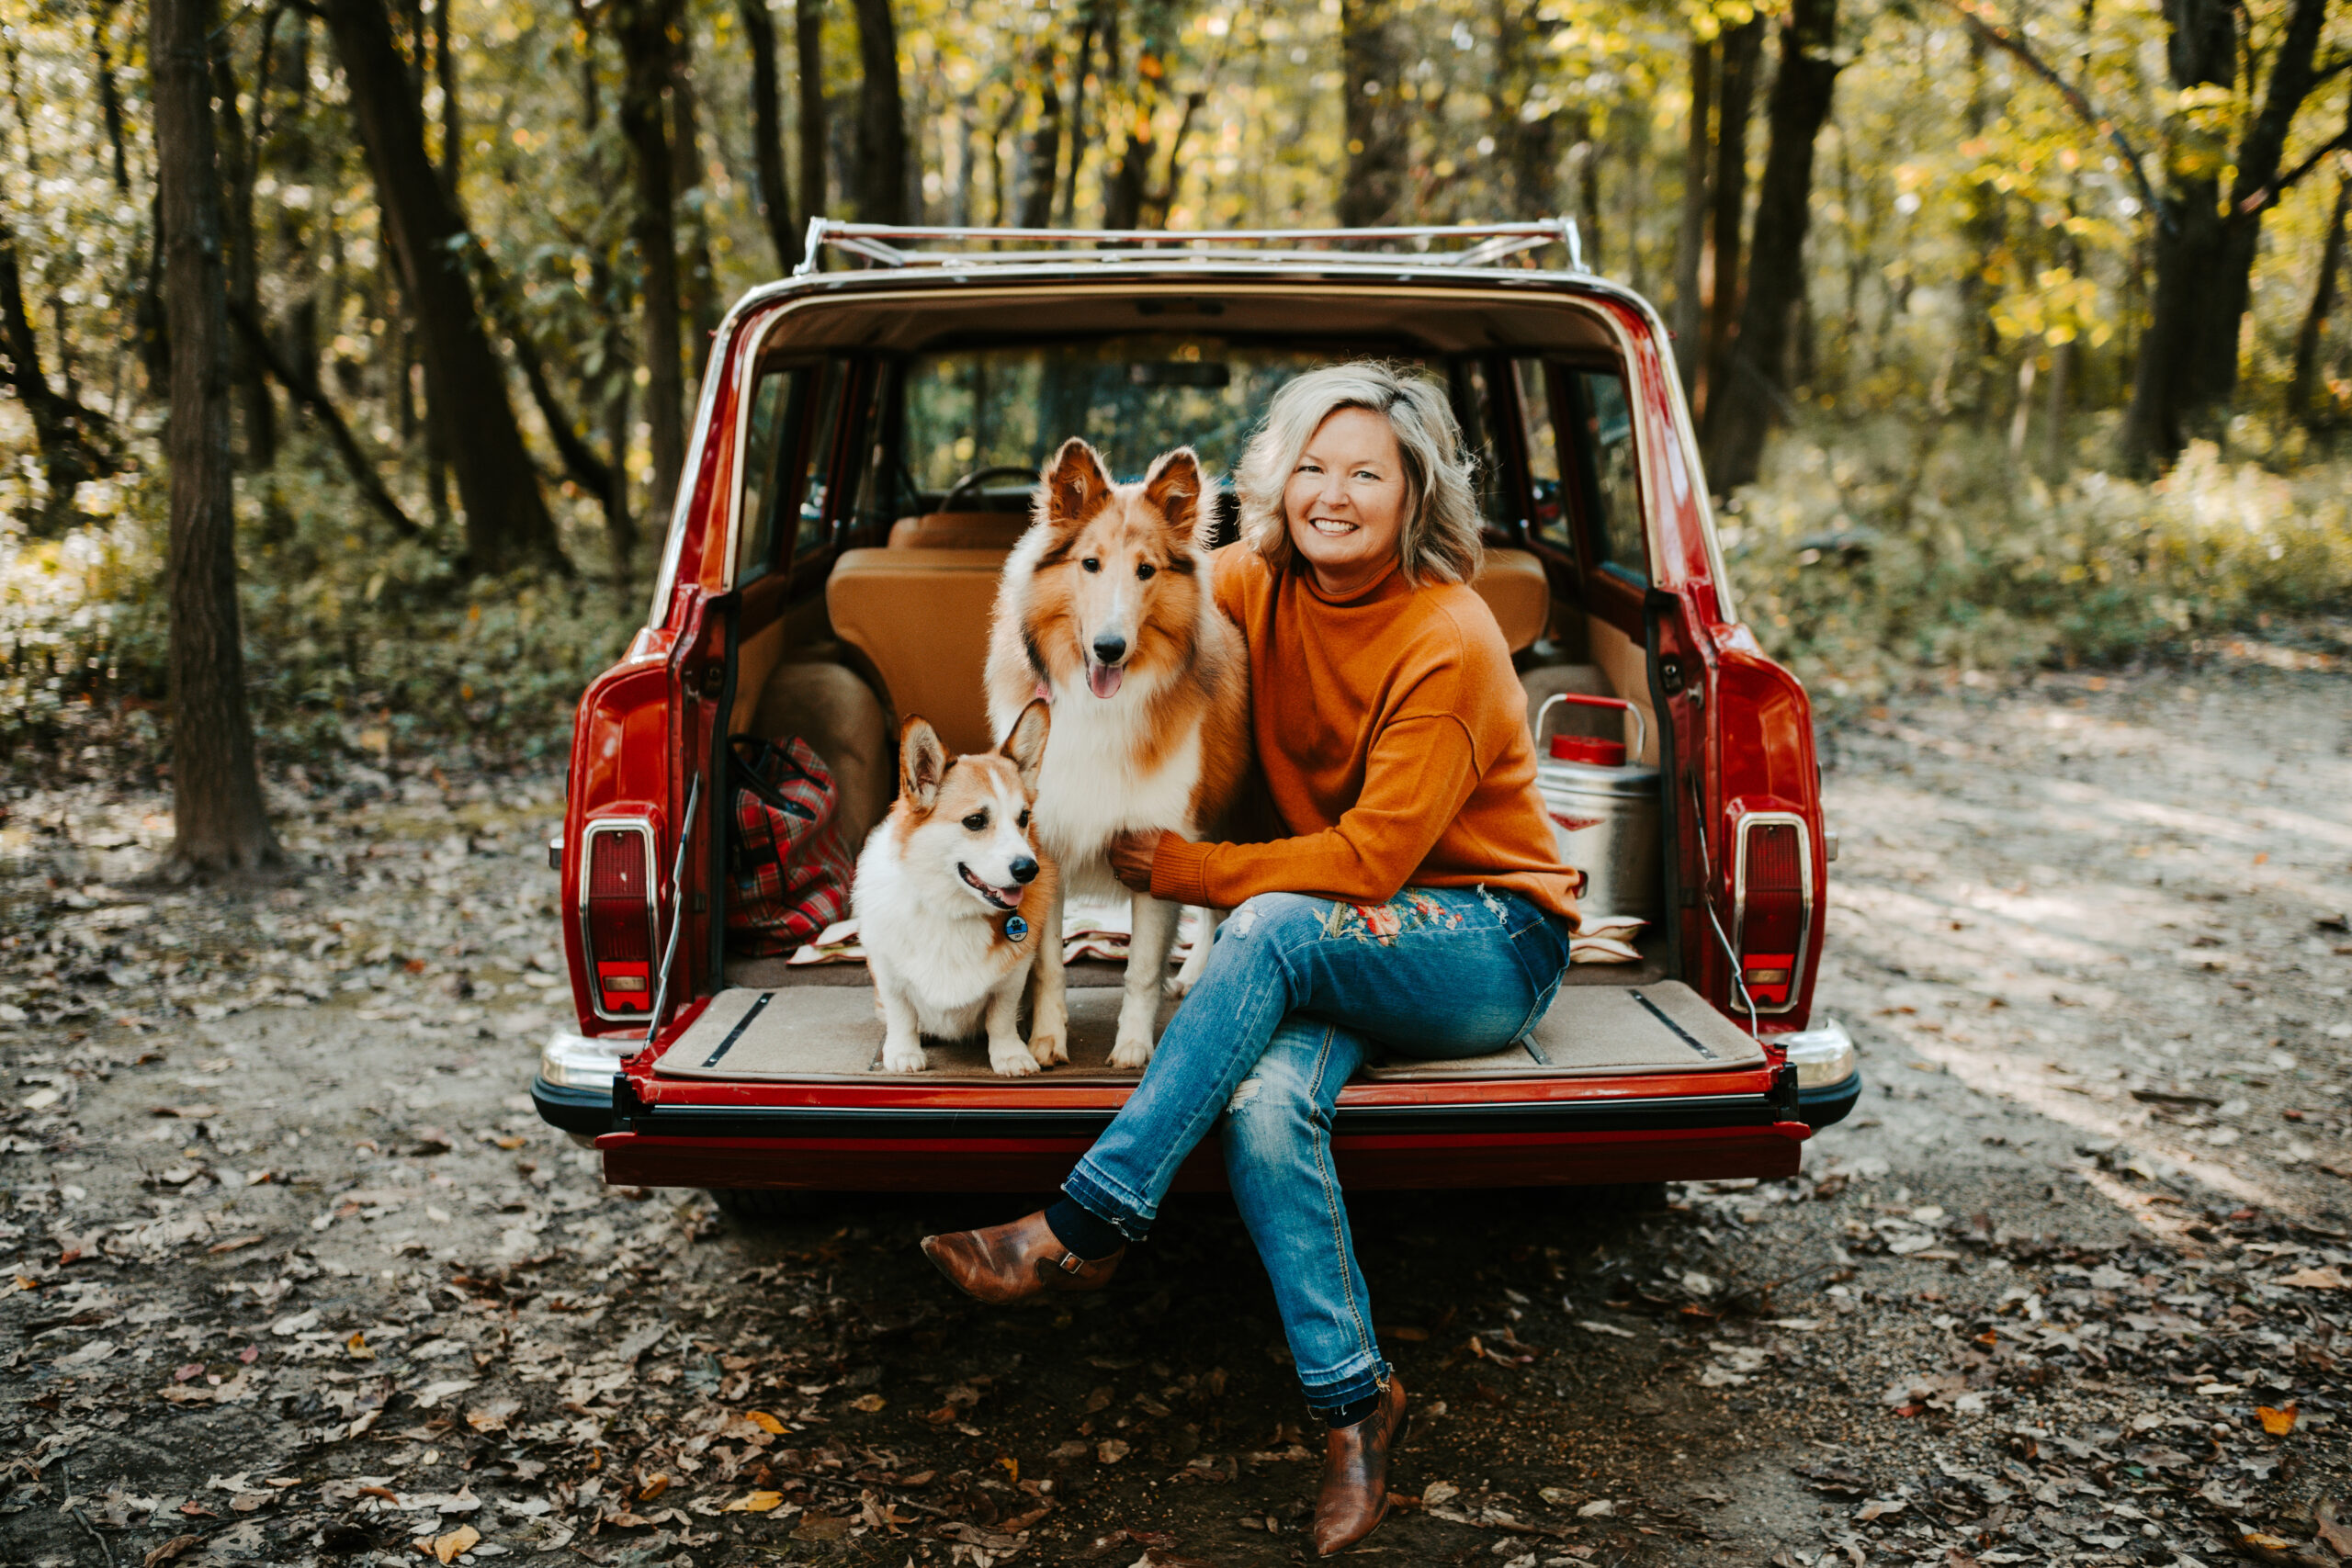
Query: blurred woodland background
{"type": "Point", "coordinates": [2014, 331]}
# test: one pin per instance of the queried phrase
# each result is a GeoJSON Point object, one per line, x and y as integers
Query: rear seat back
{"type": "Point", "coordinates": [921, 617]}
{"type": "Point", "coordinates": [959, 531]}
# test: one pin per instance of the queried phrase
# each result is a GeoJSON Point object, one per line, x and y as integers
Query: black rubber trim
{"type": "Point", "coordinates": [1724, 1111]}
{"type": "Point", "coordinates": [1679, 1032]}
{"type": "Point", "coordinates": [588, 1111]}
{"type": "Point", "coordinates": [1826, 1105]}
{"type": "Point", "coordinates": [742, 1024]}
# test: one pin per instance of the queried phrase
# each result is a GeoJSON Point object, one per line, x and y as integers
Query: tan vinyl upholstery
{"type": "Point", "coordinates": [959, 531]}
{"type": "Point", "coordinates": [839, 717]}
{"type": "Point", "coordinates": [921, 617]}
{"type": "Point", "coordinates": [1513, 585]}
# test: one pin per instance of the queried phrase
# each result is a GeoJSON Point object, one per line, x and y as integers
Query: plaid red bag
{"type": "Point", "coordinates": [784, 855]}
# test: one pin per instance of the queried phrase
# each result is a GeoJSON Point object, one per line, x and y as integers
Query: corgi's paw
{"type": "Point", "coordinates": [1011, 1060]}
{"type": "Point", "coordinates": [1133, 1050]}
{"type": "Point", "coordinates": [1047, 1050]}
{"type": "Point", "coordinates": [903, 1057]}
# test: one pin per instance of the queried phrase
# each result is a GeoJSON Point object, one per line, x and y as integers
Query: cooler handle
{"type": "Point", "coordinates": [1641, 735]}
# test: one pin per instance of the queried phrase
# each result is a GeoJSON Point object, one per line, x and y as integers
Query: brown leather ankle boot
{"type": "Point", "coordinates": [1354, 1496]}
{"type": "Point", "coordinates": [1014, 1262]}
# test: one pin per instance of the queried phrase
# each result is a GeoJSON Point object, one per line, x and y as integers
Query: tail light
{"type": "Point", "coordinates": [616, 917]}
{"type": "Point", "coordinates": [1772, 906]}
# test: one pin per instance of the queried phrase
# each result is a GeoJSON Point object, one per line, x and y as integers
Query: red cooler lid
{"type": "Point", "coordinates": [1589, 749]}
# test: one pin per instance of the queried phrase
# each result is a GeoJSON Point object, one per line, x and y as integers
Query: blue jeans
{"type": "Point", "coordinates": [1298, 992]}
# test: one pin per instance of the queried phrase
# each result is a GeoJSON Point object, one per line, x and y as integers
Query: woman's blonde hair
{"type": "Point", "coordinates": [1438, 541]}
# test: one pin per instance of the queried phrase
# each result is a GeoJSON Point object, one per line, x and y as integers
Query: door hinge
{"type": "Point", "coordinates": [714, 681]}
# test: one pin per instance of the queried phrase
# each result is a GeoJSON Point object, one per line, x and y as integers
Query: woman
{"type": "Point", "coordinates": [1416, 907]}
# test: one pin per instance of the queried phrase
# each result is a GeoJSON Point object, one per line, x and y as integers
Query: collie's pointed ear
{"type": "Point", "coordinates": [1075, 484]}
{"type": "Point", "coordinates": [923, 762]}
{"type": "Point", "coordinates": [1025, 746]}
{"type": "Point", "coordinates": [1174, 486]}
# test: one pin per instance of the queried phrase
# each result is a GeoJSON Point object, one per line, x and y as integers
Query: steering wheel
{"type": "Point", "coordinates": [978, 477]}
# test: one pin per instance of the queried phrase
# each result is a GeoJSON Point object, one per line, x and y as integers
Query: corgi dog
{"type": "Point", "coordinates": [1105, 610]}
{"type": "Point", "coordinates": [955, 897]}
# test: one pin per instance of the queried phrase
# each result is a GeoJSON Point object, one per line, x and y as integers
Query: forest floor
{"type": "Point", "coordinates": [290, 1273]}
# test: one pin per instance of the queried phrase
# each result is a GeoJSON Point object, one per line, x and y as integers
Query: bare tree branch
{"type": "Point", "coordinates": [314, 398]}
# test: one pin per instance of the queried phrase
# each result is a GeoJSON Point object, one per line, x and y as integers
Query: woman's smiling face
{"type": "Point", "coordinates": [1345, 500]}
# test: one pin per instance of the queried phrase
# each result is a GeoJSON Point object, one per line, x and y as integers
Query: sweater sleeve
{"type": "Point", "coordinates": [1420, 771]}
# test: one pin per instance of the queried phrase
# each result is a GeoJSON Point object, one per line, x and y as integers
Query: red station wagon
{"type": "Point", "coordinates": [869, 434]}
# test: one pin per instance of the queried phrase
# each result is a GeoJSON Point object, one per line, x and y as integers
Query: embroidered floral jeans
{"type": "Point", "coordinates": [1298, 991]}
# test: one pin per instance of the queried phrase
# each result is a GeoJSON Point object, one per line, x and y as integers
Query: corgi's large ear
{"type": "Point", "coordinates": [923, 762]}
{"type": "Point", "coordinates": [1075, 484]}
{"type": "Point", "coordinates": [1174, 486]}
{"type": "Point", "coordinates": [1025, 746]}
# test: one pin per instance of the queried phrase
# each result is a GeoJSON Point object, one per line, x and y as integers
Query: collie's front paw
{"type": "Point", "coordinates": [902, 1057]}
{"type": "Point", "coordinates": [1048, 1050]}
{"type": "Point", "coordinates": [1011, 1060]}
{"type": "Point", "coordinates": [1133, 1050]}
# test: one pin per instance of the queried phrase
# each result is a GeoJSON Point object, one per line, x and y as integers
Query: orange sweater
{"type": "Point", "coordinates": [1392, 734]}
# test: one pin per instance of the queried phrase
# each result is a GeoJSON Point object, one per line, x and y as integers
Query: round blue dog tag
{"type": "Point", "coordinates": [1015, 927]}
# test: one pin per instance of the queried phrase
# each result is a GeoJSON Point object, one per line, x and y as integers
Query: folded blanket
{"type": "Point", "coordinates": [1099, 928]}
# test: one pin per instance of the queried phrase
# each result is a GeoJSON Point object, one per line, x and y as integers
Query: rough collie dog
{"type": "Point", "coordinates": [1105, 610]}
{"type": "Point", "coordinates": [954, 897]}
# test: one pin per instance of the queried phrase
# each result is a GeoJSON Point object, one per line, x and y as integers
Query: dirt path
{"type": "Point", "coordinates": [290, 1272]}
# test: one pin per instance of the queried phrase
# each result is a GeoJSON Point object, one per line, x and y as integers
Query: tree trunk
{"type": "Point", "coordinates": [221, 825]}
{"type": "Point", "coordinates": [445, 73]}
{"type": "Point", "coordinates": [1743, 53]}
{"type": "Point", "coordinates": [2304, 384]}
{"type": "Point", "coordinates": [236, 159]}
{"type": "Point", "coordinates": [507, 521]}
{"type": "Point", "coordinates": [1691, 239]}
{"type": "Point", "coordinates": [297, 156]}
{"type": "Point", "coordinates": [881, 118]}
{"type": "Point", "coordinates": [698, 280]}
{"type": "Point", "coordinates": [1528, 149]}
{"type": "Point", "coordinates": [2203, 51]}
{"type": "Point", "coordinates": [1371, 60]}
{"type": "Point", "coordinates": [809, 50]}
{"type": "Point", "coordinates": [1127, 191]}
{"type": "Point", "coordinates": [773, 196]}
{"type": "Point", "coordinates": [643, 33]}
{"type": "Point", "coordinates": [1756, 378]}
{"type": "Point", "coordinates": [109, 93]}
{"type": "Point", "coordinates": [1041, 158]}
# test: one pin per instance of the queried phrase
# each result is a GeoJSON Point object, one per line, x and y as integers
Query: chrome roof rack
{"type": "Point", "coordinates": [1480, 245]}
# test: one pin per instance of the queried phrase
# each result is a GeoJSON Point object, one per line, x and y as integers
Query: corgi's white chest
{"type": "Point", "coordinates": [920, 938]}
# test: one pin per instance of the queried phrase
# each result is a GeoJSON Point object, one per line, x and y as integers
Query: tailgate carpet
{"type": "Point", "coordinates": [804, 1031]}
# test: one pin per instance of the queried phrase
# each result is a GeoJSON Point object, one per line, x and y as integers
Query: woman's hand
{"type": "Point", "coordinates": [1131, 855]}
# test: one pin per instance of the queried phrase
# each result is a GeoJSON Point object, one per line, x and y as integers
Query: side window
{"type": "Point", "coordinates": [1602, 432]}
{"type": "Point", "coordinates": [793, 412]}
{"type": "Point", "coordinates": [1549, 524]}
{"type": "Point", "coordinates": [1474, 405]}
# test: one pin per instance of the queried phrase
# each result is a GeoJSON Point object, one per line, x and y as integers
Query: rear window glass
{"type": "Point", "coordinates": [1134, 398]}
{"type": "Point", "coordinates": [1542, 451]}
{"type": "Point", "coordinates": [792, 411]}
{"type": "Point", "coordinates": [1602, 432]}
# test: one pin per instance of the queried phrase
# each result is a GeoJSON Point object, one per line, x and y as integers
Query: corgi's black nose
{"type": "Point", "coordinates": [1024, 869]}
{"type": "Point", "coordinates": [1109, 649]}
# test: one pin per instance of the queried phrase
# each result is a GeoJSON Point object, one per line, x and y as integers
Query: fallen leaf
{"type": "Point", "coordinates": [1437, 1494]}
{"type": "Point", "coordinates": [652, 1489]}
{"type": "Point", "coordinates": [2325, 1279]}
{"type": "Point", "coordinates": [1878, 1508]}
{"type": "Point", "coordinates": [1110, 1450]}
{"type": "Point", "coordinates": [1599, 1509]}
{"type": "Point", "coordinates": [764, 1422]}
{"type": "Point", "coordinates": [756, 1503]}
{"type": "Point", "coordinates": [465, 1537]}
{"type": "Point", "coordinates": [869, 1402]}
{"type": "Point", "coordinates": [2333, 1536]}
{"type": "Point", "coordinates": [169, 1551]}
{"type": "Point", "coordinates": [2277, 1422]}
{"type": "Point", "coordinates": [241, 1242]}
{"type": "Point", "coordinates": [358, 1347]}
{"type": "Point", "coordinates": [821, 1527]}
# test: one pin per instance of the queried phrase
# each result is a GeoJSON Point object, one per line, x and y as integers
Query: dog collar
{"type": "Point", "coordinates": [1015, 927]}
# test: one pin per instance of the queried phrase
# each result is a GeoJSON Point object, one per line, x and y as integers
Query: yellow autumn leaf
{"type": "Point", "coordinates": [764, 1422]}
{"type": "Point", "coordinates": [869, 1402]}
{"type": "Point", "coordinates": [358, 1347]}
{"type": "Point", "coordinates": [463, 1538]}
{"type": "Point", "coordinates": [2277, 1422]}
{"type": "Point", "coordinates": [756, 1503]}
{"type": "Point", "coordinates": [654, 1488]}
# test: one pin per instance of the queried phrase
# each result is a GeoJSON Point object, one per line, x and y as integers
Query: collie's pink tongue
{"type": "Point", "coordinates": [1103, 680]}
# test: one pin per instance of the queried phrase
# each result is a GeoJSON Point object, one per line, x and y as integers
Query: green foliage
{"type": "Point", "coordinates": [1870, 552]}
